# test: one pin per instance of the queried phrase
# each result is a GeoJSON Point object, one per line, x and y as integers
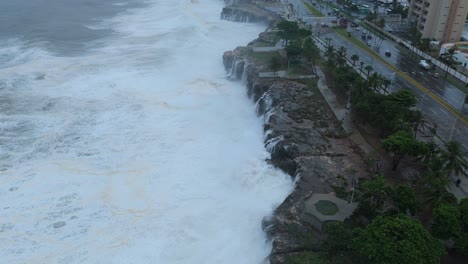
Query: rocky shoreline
{"type": "Point", "coordinates": [305, 140]}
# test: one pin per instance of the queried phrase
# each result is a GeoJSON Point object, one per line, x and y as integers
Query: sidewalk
{"type": "Point", "coordinates": [343, 114]}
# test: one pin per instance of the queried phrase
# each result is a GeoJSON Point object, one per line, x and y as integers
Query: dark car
{"type": "Point", "coordinates": [388, 53]}
{"type": "Point", "coordinates": [369, 36]}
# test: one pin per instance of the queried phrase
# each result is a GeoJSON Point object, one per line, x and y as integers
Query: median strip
{"type": "Point", "coordinates": [313, 10]}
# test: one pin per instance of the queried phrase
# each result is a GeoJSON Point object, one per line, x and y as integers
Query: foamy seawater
{"type": "Point", "coordinates": [138, 150]}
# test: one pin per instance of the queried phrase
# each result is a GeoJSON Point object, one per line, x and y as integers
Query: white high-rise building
{"type": "Point", "coordinates": [439, 19]}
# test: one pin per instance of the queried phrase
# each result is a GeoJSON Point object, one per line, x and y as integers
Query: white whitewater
{"type": "Point", "coordinates": [140, 151]}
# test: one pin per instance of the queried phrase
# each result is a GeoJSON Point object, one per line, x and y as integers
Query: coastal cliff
{"type": "Point", "coordinates": [305, 140]}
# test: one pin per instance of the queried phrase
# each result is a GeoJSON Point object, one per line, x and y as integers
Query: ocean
{"type": "Point", "coordinates": [121, 139]}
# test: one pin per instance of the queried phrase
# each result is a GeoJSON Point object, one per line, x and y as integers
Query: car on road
{"type": "Point", "coordinates": [388, 53]}
{"type": "Point", "coordinates": [357, 29]}
{"type": "Point", "coordinates": [369, 36]}
{"type": "Point", "coordinates": [435, 75]}
{"type": "Point", "coordinates": [369, 43]}
{"type": "Point", "coordinates": [423, 64]}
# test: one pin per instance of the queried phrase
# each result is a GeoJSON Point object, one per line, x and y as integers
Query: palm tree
{"type": "Point", "coordinates": [449, 58]}
{"type": "Point", "coordinates": [435, 174]}
{"type": "Point", "coordinates": [354, 58]}
{"type": "Point", "coordinates": [330, 53]}
{"type": "Point", "coordinates": [361, 65]}
{"type": "Point", "coordinates": [454, 160]}
{"type": "Point", "coordinates": [386, 83]}
{"type": "Point", "coordinates": [311, 50]}
{"type": "Point", "coordinates": [373, 81]}
{"type": "Point", "coordinates": [341, 57]}
{"type": "Point", "coordinates": [435, 196]}
{"type": "Point", "coordinates": [432, 152]}
{"type": "Point", "coordinates": [368, 68]}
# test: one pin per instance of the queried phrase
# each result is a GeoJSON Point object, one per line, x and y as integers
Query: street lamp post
{"type": "Point", "coordinates": [289, 60]}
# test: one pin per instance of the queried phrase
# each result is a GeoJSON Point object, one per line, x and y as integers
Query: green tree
{"type": "Point", "coordinates": [373, 197]}
{"type": "Point", "coordinates": [370, 16]}
{"type": "Point", "coordinates": [435, 174]}
{"type": "Point", "coordinates": [294, 48]}
{"type": "Point", "coordinates": [463, 208]}
{"type": "Point", "coordinates": [341, 57]}
{"type": "Point", "coordinates": [425, 45]}
{"type": "Point", "coordinates": [343, 80]}
{"type": "Point", "coordinates": [393, 112]}
{"type": "Point", "coordinates": [380, 22]}
{"type": "Point", "coordinates": [415, 36]}
{"type": "Point", "coordinates": [396, 240]}
{"type": "Point", "coordinates": [375, 81]}
{"type": "Point", "coordinates": [385, 84]}
{"type": "Point", "coordinates": [435, 195]}
{"type": "Point", "coordinates": [461, 243]}
{"type": "Point", "coordinates": [402, 144]}
{"type": "Point", "coordinates": [449, 58]}
{"type": "Point", "coordinates": [446, 221]}
{"type": "Point", "coordinates": [368, 68]}
{"type": "Point", "coordinates": [432, 151]}
{"type": "Point", "coordinates": [361, 65]}
{"type": "Point", "coordinates": [354, 58]}
{"type": "Point", "coordinates": [288, 30]}
{"type": "Point", "coordinates": [404, 199]}
{"type": "Point", "coordinates": [338, 237]}
{"type": "Point", "coordinates": [310, 49]}
{"type": "Point", "coordinates": [454, 160]}
{"type": "Point", "coordinates": [403, 98]}
{"type": "Point", "coordinates": [330, 53]}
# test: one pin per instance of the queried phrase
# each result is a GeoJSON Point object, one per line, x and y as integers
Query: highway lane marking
{"type": "Point", "coordinates": [415, 83]}
{"type": "Point", "coordinates": [433, 111]}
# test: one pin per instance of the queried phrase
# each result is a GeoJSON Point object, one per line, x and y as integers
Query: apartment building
{"type": "Point", "coordinates": [439, 19]}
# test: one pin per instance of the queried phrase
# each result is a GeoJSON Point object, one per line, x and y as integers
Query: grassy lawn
{"type": "Point", "coordinates": [352, 39]}
{"type": "Point", "coordinates": [326, 207]}
{"type": "Point", "coordinates": [313, 10]}
{"type": "Point", "coordinates": [296, 69]}
{"type": "Point", "coordinates": [264, 58]}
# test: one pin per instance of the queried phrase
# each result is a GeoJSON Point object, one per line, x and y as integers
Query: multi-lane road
{"type": "Point", "coordinates": [434, 94]}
